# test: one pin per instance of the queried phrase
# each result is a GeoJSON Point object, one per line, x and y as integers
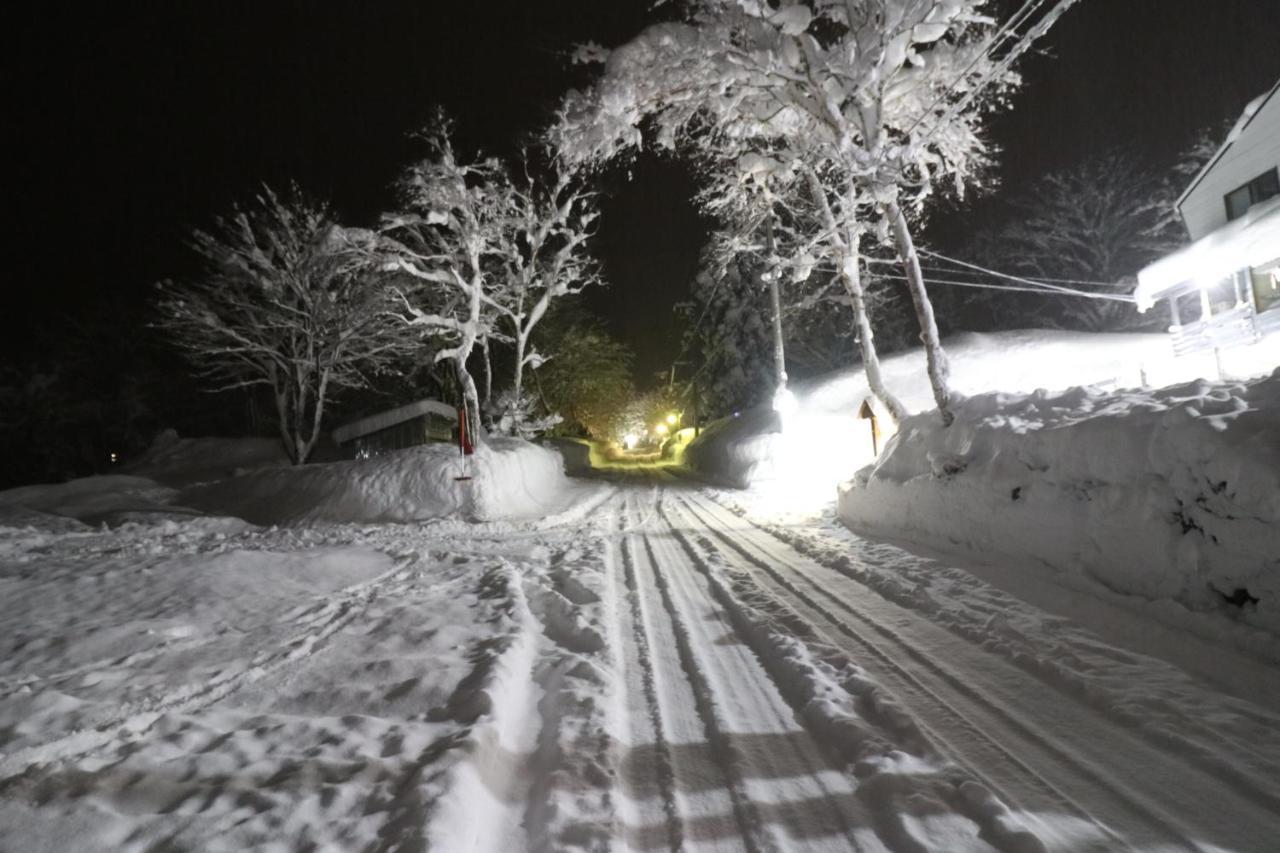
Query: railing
{"type": "Point", "coordinates": [1236, 327]}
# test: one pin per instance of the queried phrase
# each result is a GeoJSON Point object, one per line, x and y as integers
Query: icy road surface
{"type": "Point", "coordinates": [658, 670]}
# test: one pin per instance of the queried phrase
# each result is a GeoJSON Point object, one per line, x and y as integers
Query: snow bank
{"type": "Point", "coordinates": [1164, 494]}
{"type": "Point", "coordinates": [736, 451]}
{"type": "Point", "coordinates": [93, 500]}
{"type": "Point", "coordinates": [509, 479]}
{"type": "Point", "coordinates": [575, 453]}
{"type": "Point", "coordinates": [179, 462]}
{"type": "Point", "coordinates": [826, 442]}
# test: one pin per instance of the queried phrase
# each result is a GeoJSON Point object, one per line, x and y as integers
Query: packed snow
{"type": "Point", "coordinates": [526, 661]}
{"type": "Point", "coordinates": [661, 669]}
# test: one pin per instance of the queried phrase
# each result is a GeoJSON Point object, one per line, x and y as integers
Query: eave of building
{"type": "Point", "coordinates": [1248, 241]}
{"type": "Point", "coordinates": [1251, 112]}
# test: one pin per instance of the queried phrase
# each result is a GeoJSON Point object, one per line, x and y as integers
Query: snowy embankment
{"type": "Point", "coordinates": [1170, 494]}
{"type": "Point", "coordinates": [826, 442]}
{"type": "Point", "coordinates": [506, 479]}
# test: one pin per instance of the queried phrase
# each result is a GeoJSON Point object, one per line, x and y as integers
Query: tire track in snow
{"type": "Point", "coordinates": [1221, 746]}
{"type": "Point", "coordinates": [1076, 760]}
{"type": "Point", "coordinates": [635, 664]}
{"type": "Point", "coordinates": [721, 747]}
{"type": "Point", "coordinates": [318, 623]}
{"type": "Point", "coordinates": [868, 734]}
{"type": "Point", "coordinates": [787, 790]}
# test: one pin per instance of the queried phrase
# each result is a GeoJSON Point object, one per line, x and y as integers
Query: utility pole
{"type": "Point", "coordinates": [775, 303]}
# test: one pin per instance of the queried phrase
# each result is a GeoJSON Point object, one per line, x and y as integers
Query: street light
{"type": "Point", "coordinates": [661, 429]}
{"type": "Point", "coordinates": [672, 418]}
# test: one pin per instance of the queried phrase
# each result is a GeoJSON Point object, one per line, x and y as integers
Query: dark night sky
{"type": "Point", "coordinates": [134, 122]}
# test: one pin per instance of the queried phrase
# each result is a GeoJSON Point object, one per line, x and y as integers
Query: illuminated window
{"type": "Point", "coordinates": [1259, 189]}
{"type": "Point", "coordinates": [1223, 296]}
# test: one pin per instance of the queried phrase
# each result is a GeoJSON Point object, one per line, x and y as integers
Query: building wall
{"type": "Point", "coordinates": [1256, 150]}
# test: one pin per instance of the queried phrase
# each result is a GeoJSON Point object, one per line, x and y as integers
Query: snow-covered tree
{"type": "Point", "coordinates": [545, 238]}
{"type": "Point", "coordinates": [887, 94]}
{"type": "Point", "coordinates": [284, 301]}
{"type": "Point", "coordinates": [1093, 225]}
{"type": "Point", "coordinates": [587, 377]}
{"type": "Point", "coordinates": [449, 244]}
{"type": "Point", "coordinates": [730, 338]}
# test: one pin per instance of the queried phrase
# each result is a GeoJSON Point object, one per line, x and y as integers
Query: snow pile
{"type": "Point", "coordinates": [826, 442]}
{"type": "Point", "coordinates": [94, 500]}
{"type": "Point", "coordinates": [736, 451]}
{"type": "Point", "coordinates": [179, 462]}
{"type": "Point", "coordinates": [1165, 494]}
{"type": "Point", "coordinates": [574, 452]}
{"type": "Point", "coordinates": [505, 479]}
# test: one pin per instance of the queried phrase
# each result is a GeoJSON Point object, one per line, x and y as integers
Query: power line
{"type": "Point", "coordinates": [1020, 47]}
{"type": "Point", "coordinates": [1084, 294]}
{"type": "Point", "coordinates": [1004, 31]}
{"type": "Point", "coordinates": [1020, 279]}
{"type": "Point", "coordinates": [1027, 285]}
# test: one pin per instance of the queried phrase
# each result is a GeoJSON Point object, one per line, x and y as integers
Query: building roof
{"type": "Point", "coordinates": [1250, 113]}
{"type": "Point", "coordinates": [390, 418]}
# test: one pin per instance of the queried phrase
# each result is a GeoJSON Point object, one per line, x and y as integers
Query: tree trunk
{"type": "Point", "coordinates": [317, 417]}
{"type": "Point", "coordinates": [470, 398]}
{"type": "Point", "coordinates": [488, 371]}
{"type": "Point", "coordinates": [935, 358]}
{"type": "Point", "coordinates": [846, 244]}
{"type": "Point", "coordinates": [517, 380]}
{"type": "Point", "coordinates": [775, 303]}
{"type": "Point", "coordinates": [851, 277]}
{"type": "Point", "coordinates": [281, 393]}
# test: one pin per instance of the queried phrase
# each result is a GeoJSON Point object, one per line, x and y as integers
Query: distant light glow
{"type": "Point", "coordinates": [629, 441]}
{"type": "Point", "coordinates": [661, 429]}
{"type": "Point", "coordinates": [671, 419]}
{"type": "Point", "coordinates": [784, 402]}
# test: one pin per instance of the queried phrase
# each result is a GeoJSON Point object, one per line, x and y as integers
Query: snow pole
{"type": "Point", "coordinates": [466, 447]}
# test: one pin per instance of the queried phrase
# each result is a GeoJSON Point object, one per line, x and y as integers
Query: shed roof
{"type": "Point", "coordinates": [383, 420]}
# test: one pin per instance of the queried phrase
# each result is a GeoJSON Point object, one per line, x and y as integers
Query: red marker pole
{"type": "Point", "coordinates": [465, 444]}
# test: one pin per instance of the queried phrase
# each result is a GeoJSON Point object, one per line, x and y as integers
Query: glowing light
{"type": "Point", "coordinates": [671, 419]}
{"type": "Point", "coordinates": [661, 429]}
{"type": "Point", "coordinates": [629, 441]}
{"type": "Point", "coordinates": [784, 402]}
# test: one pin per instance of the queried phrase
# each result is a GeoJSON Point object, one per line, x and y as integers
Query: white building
{"type": "Point", "coordinates": [1224, 288]}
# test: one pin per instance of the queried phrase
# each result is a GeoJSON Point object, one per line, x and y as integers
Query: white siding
{"type": "Point", "coordinates": [1255, 151]}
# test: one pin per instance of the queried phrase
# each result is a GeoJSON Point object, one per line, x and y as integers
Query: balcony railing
{"type": "Point", "coordinates": [1236, 327]}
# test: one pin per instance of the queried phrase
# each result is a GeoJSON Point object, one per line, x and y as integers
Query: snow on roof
{"type": "Point", "coordinates": [1250, 111]}
{"type": "Point", "coordinates": [1251, 240]}
{"type": "Point", "coordinates": [390, 418]}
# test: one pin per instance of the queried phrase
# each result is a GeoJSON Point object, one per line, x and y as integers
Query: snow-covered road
{"type": "Point", "coordinates": [663, 671]}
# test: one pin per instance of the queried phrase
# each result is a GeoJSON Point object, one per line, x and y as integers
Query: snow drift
{"type": "Point", "coordinates": [826, 442]}
{"type": "Point", "coordinates": [505, 479]}
{"type": "Point", "coordinates": [180, 462]}
{"type": "Point", "coordinates": [1164, 494]}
